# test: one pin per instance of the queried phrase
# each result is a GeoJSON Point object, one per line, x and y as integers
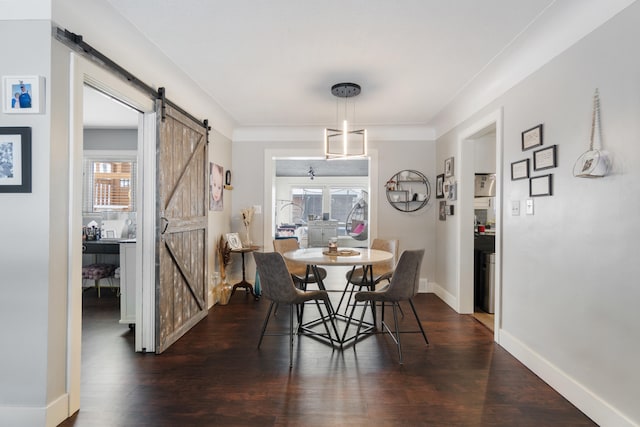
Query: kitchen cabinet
{"type": "Point", "coordinates": [319, 232]}
{"type": "Point", "coordinates": [128, 282]}
{"type": "Point", "coordinates": [483, 250]}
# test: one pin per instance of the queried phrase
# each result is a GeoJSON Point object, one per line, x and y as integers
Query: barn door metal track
{"type": "Point", "coordinates": [76, 42]}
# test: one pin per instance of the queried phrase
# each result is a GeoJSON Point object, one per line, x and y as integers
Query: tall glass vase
{"type": "Point", "coordinates": [246, 238]}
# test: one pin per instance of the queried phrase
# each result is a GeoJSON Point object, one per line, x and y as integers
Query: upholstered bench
{"type": "Point", "coordinates": [97, 272]}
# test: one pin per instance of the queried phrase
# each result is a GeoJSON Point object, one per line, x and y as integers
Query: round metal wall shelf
{"type": "Point", "coordinates": [408, 190]}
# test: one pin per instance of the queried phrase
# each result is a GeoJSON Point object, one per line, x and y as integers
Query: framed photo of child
{"type": "Point", "coordinates": [22, 95]}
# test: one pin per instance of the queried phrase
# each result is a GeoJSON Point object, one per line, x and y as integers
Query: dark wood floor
{"type": "Point", "coordinates": [215, 376]}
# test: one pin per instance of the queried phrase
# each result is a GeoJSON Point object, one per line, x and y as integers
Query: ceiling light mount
{"type": "Point", "coordinates": [345, 90]}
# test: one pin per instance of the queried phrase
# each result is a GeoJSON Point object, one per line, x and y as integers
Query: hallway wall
{"type": "Point", "coordinates": [569, 293]}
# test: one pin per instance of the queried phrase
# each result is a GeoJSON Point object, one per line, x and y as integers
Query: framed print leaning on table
{"type": "Point", "coordinates": [234, 241]}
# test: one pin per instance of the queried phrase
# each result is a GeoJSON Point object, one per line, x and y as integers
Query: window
{"type": "Point", "coordinates": [109, 185]}
{"type": "Point", "coordinates": [311, 201]}
{"type": "Point", "coordinates": [340, 201]}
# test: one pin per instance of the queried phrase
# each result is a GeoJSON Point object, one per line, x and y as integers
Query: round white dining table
{"type": "Point", "coordinates": [316, 256]}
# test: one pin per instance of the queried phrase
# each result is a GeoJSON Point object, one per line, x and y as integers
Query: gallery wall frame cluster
{"type": "Point", "coordinates": [542, 159]}
{"type": "Point", "coordinates": [20, 95]}
{"type": "Point", "coordinates": [446, 188]}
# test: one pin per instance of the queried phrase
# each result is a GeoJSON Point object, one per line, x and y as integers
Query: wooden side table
{"type": "Point", "coordinates": [244, 283]}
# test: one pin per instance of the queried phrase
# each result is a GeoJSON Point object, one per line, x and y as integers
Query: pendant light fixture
{"type": "Point", "coordinates": [344, 142]}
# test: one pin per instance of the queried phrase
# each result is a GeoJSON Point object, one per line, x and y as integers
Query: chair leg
{"type": "Point", "coordinates": [397, 331]}
{"type": "Point", "coordinates": [364, 310]}
{"type": "Point", "coordinates": [291, 336]}
{"type": "Point", "coordinates": [415, 313]}
{"type": "Point", "coordinates": [266, 320]}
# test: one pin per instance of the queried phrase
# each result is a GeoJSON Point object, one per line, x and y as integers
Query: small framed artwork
{"type": "Point", "coordinates": [442, 211]}
{"type": "Point", "coordinates": [541, 186]}
{"type": "Point", "coordinates": [545, 158]}
{"type": "Point", "coordinates": [216, 195]}
{"type": "Point", "coordinates": [15, 160]}
{"type": "Point", "coordinates": [520, 170]}
{"type": "Point", "coordinates": [532, 137]}
{"type": "Point", "coordinates": [439, 186]}
{"type": "Point", "coordinates": [22, 95]}
{"type": "Point", "coordinates": [448, 167]}
{"type": "Point", "coordinates": [452, 194]}
{"type": "Point", "coordinates": [234, 241]}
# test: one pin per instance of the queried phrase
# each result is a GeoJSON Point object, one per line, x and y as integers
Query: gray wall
{"type": "Point", "coordinates": [570, 280]}
{"type": "Point", "coordinates": [414, 230]}
{"type": "Point", "coordinates": [27, 268]}
{"type": "Point", "coordinates": [111, 139]}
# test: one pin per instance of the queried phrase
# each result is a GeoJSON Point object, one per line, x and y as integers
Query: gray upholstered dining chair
{"type": "Point", "coordinates": [402, 287]}
{"type": "Point", "coordinates": [277, 285]}
{"type": "Point", "coordinates": [300, 274]}
{"type": "Point", "coordinates": [383, 271]}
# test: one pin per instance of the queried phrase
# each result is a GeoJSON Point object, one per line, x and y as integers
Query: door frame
{"type": "Point", "coordinates": [269, 186]}
{"type": "Point", "coordinates": [465, 218]}
{"type": "Point", "coordinates": [82, 72]}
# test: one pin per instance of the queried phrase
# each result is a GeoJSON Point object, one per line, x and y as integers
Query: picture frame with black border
{"type": "Point", "coordinates": [439, 186]}
{"type": "Point", "coordinates": [448, 167]}
{"type": "Point", "coordinates": [22, 94]}
{"type": "Point", "coordinates": [520, 170]}
{"type": "Point", "coordinates": [545, 158]}
{"type": "Point", "coordinates": [234, 241]}
{"type": "Point", "coordinates": [532, 137]}
{"type": "Point", "coordinates": [442, 211]}
{"type": "Point", "coordinates": [541, 185]}
{"type": "Point", "coordinates": [15, 160]}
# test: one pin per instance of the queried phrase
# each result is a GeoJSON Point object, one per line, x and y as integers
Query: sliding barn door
{"type": "Point", "coordinates": [181, 289]}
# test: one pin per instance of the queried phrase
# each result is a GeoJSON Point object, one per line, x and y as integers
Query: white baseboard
{"type": "Point", "coordinates": [584, 399]}
{"type": "Point", "coordinates": [22, 416]}
{"type": "Point", "coordinates": [58, 411]}
{"type": "Point", "coordinates": [31, 416]}
{"type": "Point", "coordinates": [444, 295]}
{"type": "Point", "coordinates": [424, 287]}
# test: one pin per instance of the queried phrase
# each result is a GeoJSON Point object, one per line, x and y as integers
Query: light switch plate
{"type": "Point", "coordinates": [529, 206]}
{"type": "Point", "coordinates": [515, 207]}
{"type": "Point", "coordinates": [257, 209]}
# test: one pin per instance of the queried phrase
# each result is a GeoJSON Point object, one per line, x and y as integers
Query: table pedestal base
{"type": "Point", "coordinates": [247, 286]}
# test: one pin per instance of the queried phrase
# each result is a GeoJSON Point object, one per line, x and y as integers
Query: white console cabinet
{"type": "Point", "coordinates": [319, 232]}
{"type": "Point", "coordinates": [128, 282]}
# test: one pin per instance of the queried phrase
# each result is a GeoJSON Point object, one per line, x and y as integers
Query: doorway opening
{"type": "Point", "coordinates": [480, 221]}
{"type": "Point", "coordinates": [109, 203]}
{"type": "Point", "coordinates": [338, 191]}
{"type": "Point", "coordinates": [84, 72]}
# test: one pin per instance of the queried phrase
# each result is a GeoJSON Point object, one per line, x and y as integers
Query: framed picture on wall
{"type": "Point", "coordinates": [541, 185]}
{"type": "Point", "coordinates": [15, 160]}
{"type": "Point", "coordinates": [22, 95]}
{"type": "Point", "coordinates": [545, 158]}
{"type": "Point", "coordinates": [216, 200]}
{"type": "Point", "coordinates": [439, 186]}
{"type": "Point", "coordinates": [532, 137]}
{"type": "Point", "coordinates": [520, 170]}
{"type": "Point", "coordinates": [442, 211]}
{"type": "Point", "coordinates": [448, 167]}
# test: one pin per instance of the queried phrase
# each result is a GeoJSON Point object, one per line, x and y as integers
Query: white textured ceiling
{"type": "Point", "coordinates": [272, 63]}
